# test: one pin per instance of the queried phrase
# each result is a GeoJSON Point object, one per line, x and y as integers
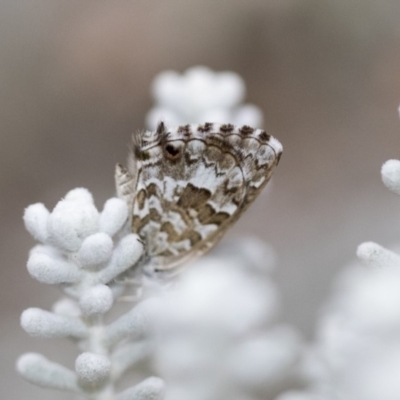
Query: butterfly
{"type": "Point", "coordinates": [186, 185]}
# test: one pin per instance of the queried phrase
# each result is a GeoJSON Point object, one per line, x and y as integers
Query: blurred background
{"type": "Point", "coordinates": [75, 83]}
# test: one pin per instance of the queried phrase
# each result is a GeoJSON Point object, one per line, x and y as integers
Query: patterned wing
{"type": "Point", "coordinates": [188, 185]}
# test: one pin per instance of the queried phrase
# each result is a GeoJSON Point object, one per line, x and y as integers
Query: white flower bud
{"type": "Point", "coordinates": [377, 256]}
{"type": "Point", "coordinates": [96, 249]}
{"type": "Point", "coordinates": [125, 255]}
{"type": "Point", "coordinates": [49, 251]}
{"type": "Point", "coordinates": [201, 95]}
{"type": "Point", "coordinates": [35, 218]}
{"type": "Point", "coordinates": [92, 368]}
{"type": "Point", "coordinates": [41, 323]}
{"type": "Point", "coordinates": [113, 216]}
{"type": "Point", "coordinates": [38, 370]}
{"type": "Point", "coordinates": [80, 195]}
{"type": "Point", "coordinates": [71, 222]}
{"type": "Point", "coordinates": [50, 270]}
{"type": "Point", "coordinates": [391, 175]}
{"type": "Point", "coordinates": [96, 300]}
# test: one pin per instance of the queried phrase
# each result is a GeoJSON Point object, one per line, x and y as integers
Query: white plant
{"type": "Point", "coordinates": [201, 95]}
{"type": "Point", "coordinates": [84, 252]}
{"type": "Point", "coordinates": [217, 335]}
{"type": "Point", "coordinates": [356, 354]}
{"type": "Point", "coordinates": [212, 335]}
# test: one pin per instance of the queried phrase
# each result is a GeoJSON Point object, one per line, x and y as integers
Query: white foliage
{"type": "Point", "coordinates": [113, 216]}
{"type": "Point", "coordinates": [84, 252]}
{"type": "Point", "coordinates": [95, 249]}
{"type": "Point", "coordinates": [356, 354]}
{"type": "Point", "coordinates": [39, 370]}
{"type": "Point", "coordinates": [51, 270]}
{"type": "Point", "coordinates": [246, 299]}
{"type": "Point", "coordinates": [357, 351]}
{"type": "Point", "coordinates": [201, 95]}
{"type": "Point", "coordinates": [96, 300]}
{"type": "Point", "coordinates": [92, 368]}
{"type": "Point", "coordinates": [215, 332]}
{"type": "Point", "coordinates": [127, 253]}
{"type": "Point", "coordinates": [41, 323]}
{"type": "Point", "coordinates": [80, 195]}
{"type": "Point", "coordinates": [71, 221]}
{"type": "Point", "coordinates": [377, 256]}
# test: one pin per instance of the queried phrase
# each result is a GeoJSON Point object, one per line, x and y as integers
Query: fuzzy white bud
{"type": "Point", "coordinates": [79, 195]}
{"type": "Point", "coordinates": [71, 222]}
{"type": "Point", "coordinates": [51, 270]}
{"type": "Point", "coordinates": [125, 255]}
{"type": "Point", "coordinates": [38, 370]}
{"type": "Point", "coordinates": [113, 216]}
{"type": "Point", "coordinates": [47, 250]}
{"type": "Point", "coordinates": [377, 256]}
{"type": "Point", "coordinates": [96, 300]}
{"type": "Point", "coordinates": [92, 368]}
{"type": "Point", "coordinates": [201, 95]}
{"type": "Point", "coordinates": [41, 323]}
{"type": "Point", "coordinates": [35, 219]}
{"type": "Point", "coordinates": [96, 249]}
{"type": "Point", "coordinates": [391, 175]}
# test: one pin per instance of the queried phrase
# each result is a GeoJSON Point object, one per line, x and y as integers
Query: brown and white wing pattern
{"type": "Point", "coordinates": [187, 185]}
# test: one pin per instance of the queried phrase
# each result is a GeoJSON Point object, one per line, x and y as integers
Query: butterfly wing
{"type": "Point", "coordinates": [191, 183]}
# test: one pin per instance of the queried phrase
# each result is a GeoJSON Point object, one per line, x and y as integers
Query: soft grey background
{"type": "Point", "coordinates": [74, 84]}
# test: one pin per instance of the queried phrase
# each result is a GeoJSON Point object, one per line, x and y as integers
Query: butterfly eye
{"type": "Point", "coordinates": [172, 151]}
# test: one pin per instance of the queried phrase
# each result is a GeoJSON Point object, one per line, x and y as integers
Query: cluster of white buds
{"type": "Point", "coordinates": [217, 335]}
{"type": "Point", "coordinates": [85, 252]}
{"type": "Point", "coordinates": [214, 336]}
{"type": "Point", "coordinates": [201, 95]}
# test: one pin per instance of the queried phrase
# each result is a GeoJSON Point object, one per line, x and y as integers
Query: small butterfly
{"type": "Point", "coordinates": [186, 186]}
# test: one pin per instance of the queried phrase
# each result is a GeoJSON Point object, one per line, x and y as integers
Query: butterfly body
{"type": "Point", "coordinates": [186, 186]}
